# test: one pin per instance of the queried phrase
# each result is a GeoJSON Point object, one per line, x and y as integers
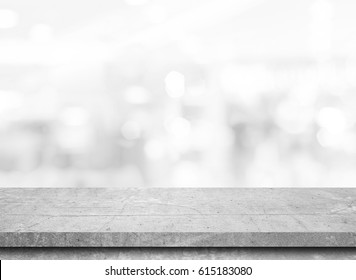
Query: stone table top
{"type": "Point", "coordinates": [184, 217]}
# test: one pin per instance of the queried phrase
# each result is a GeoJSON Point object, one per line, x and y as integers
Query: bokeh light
{"type": "Point", "coordinates": [178, 93]}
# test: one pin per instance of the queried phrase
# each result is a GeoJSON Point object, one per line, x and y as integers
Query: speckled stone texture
{"type": "Point", "coordinates": [178, 217]}
{"type": "Point", "coordinates": [176, 253]}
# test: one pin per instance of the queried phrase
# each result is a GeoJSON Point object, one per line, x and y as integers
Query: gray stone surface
{"type": "Point", "coordinates": [265, 253]}
{"type": "Point", "coordinates": [213, 217]}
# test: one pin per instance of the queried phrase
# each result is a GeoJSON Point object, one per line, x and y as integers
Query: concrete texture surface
{"type": "Point", "coordinates": [183, 217]}
{"type": "Point", "coordinates": [265, 253]}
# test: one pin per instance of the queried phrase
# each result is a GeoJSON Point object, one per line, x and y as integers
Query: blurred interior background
{"type": "Point", "coordinates": [205, 93]}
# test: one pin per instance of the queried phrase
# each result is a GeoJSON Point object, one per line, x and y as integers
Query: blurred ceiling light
{"type": "Point", "coordinates": [136, 2]}
{"type": "Point", "coordinates": [75, 116]}
{"type": "Point", "coordinates": [131, 130]}
{"type": "Point", "coordinates": [175, 84]}
{"type": "Point", "coordinates": [330, 139]}
{"type": "Point", "coordinates": [137, 95]}
{"type": "Point", "coordinates": [8, 18]}
{"type": "Point", "coordinates": [332, 119]}
{"type": "Point", "coordinates": [41, 33]}
{"type": "Point", "coordinates": [178, 127]}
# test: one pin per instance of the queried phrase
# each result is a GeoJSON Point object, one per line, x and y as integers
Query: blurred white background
{"type": "Point", "coordinates": [204, 93]}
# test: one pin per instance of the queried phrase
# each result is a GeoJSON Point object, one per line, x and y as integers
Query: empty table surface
{"type": "Point", "coordinates": [170, 217]}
